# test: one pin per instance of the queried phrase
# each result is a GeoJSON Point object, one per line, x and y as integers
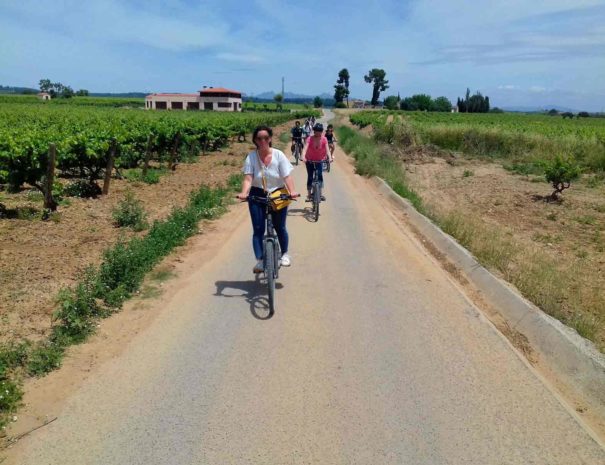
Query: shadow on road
{"type": "Point", "coordinates": [254, 291]}
{"type": "Point", "coordinates": [306, 213]}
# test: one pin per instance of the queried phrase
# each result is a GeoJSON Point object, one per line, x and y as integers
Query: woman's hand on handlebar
{"type": "Point", "coordinates": [241, 196]}
{"type": "Point", "coordinates": [294, 195]}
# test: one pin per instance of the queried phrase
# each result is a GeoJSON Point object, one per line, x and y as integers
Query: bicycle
{"type": "Point", "coordinates": [271, 250]}
{"type": "Point", "coordinates": [316, 189]}
{"type": "Point", "coordinates": [298, 149]}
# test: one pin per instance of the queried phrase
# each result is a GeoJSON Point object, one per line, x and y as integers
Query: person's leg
{"type": "Point", "coordinates": [320, 177]}
{"type": "Point", "coordinates": [257, 214]}
{"type": "Point", "coordinates": [279, 223]}
{"type": "Point", "coordinates": [310, 168]}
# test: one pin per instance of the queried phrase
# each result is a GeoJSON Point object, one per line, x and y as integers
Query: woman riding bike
{"type": "Point", "coordinates": [297, 136]}
{"type": "Point", "coordinates": [316, 150]}
{"type": "Point", "coordinates": [272, 165]}
{"type": "Point", "coordinates": [331, 140]}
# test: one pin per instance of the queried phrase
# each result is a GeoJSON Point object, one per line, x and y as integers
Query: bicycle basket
{"type": "Point", "coordinates": [278, 203]}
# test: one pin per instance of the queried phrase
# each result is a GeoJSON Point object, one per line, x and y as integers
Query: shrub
{"type": "Point", "coordinates": [340, 105]}
{"type": "Point", "coordinates": [560, 172]}
{"type": "Point", "coordinates": [130, 212]}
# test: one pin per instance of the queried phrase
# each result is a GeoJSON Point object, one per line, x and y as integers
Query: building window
{"type": "Point", "coordinates": [161, 106]}
{"type": "Point", "coordinates": [208, 106]}
{"type": "Point", "coordinates": [224, 105]}
{"type": "Point", "coordinates": [193, 105]}
{"type": "Point", "coordinates": [176, 105]}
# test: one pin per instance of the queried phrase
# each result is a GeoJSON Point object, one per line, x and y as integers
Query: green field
{"type": "Point", "coordinates": [83, 135]}
{"type": "Point", "coordinates": [517, 137]}
{"type": "Point", "coordinates": [113, 102]}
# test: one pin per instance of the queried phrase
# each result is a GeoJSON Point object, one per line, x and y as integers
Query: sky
{"type": "Point", "coordinates": [520, 53]}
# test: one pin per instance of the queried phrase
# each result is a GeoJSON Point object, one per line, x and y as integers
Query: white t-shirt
{"type": "Point", "coordinates": [278, 169]}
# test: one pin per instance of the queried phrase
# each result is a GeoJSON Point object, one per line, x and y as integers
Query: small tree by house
{"type": "Point", "coordinates": [318, 102]}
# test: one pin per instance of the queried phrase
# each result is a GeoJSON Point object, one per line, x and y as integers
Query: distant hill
{"type": "Point", "coordinates": [539, 109]}
{"type": "Point", "coordinates": [17, 90]}
{"type": "Point", "coordinates": [288, 96]}
{"type": "Point", "coordinates": [121, 95]}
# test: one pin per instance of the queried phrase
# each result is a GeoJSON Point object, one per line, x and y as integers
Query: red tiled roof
{"type": "Point", "coordinates": [174, 95]}
{"type": "Point", "coordinates": [219, 90]}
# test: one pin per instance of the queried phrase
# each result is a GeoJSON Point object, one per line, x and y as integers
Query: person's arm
{"type": "Point", "coordinates": [303, 157]}
{"type": "Point", "coordinates": [290, 186]}
{"type": "Point", "coordinates": [246, 184]}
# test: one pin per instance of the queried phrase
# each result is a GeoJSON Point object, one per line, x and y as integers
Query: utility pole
{"type": "Point", "coordinates": [282, 88]}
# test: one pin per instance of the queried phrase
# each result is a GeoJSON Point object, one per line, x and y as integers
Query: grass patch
{"type": "Point", "coordinates": [375, 160]}
{"type": "Point", "coordinates": [130, 213]}
{"type": "Point", "coordinates": [152, 176]}
{"type": "Point", "coordinates": [468, 173]}
{"type": "Point", "coordinates": [284, 137]}
{"type": "Point", "coordinates": [100, 292]}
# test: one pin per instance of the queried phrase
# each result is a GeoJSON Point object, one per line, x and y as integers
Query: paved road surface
{"type": "Point", "coordinates": [373, 357]}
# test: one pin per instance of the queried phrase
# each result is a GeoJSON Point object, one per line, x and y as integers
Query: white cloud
{"type": "Point", "coordinates": [538, 89]}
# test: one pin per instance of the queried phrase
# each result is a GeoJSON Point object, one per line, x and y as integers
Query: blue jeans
{"type": "Point", "coordinates": [312, 167]}
{"type": "Point", "coordinates": [258, 216]}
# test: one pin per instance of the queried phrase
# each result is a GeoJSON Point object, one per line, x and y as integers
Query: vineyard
{"type": "Point", "coordinates": [86, 138]}
{"type": "Point", "coordinates": [517, 136]}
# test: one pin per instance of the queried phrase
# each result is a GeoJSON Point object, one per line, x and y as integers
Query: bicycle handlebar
{"type": "Point", "coordinates": [255, 198]}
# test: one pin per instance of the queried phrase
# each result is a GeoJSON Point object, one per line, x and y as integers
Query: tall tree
{"type": "Point", "coordinates": [466, 99]}
{"type": "Point", "coordinates": [343, 79]}
{"type": "Point", "coordinates": [45, 85]}
{"type": "Point", "coordinates": [376, 77]}
{"type": "Point", "coordinates": [339, 93]}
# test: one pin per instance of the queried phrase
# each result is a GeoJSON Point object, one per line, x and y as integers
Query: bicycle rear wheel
{"type": "Point", "coordinates": [270, 273]}
{"type": "Point", "coordinates": [316, 201]}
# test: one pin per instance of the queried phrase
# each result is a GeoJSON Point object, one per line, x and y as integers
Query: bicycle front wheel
{"type": "Point", "coordinates": [270, 274]}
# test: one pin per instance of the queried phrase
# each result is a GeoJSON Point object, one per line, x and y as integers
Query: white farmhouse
{"type": "Point", "coordinates": [209, 98]}
{"type": "Point", "coordinates": [44, 96]}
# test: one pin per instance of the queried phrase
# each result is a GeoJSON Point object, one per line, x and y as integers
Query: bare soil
{"type": "Point", "coordinates": [38, 258]}
{"type": "Point", "coordinates": [571, 231]}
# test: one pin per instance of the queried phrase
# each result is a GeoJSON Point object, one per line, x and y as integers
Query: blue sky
{"type": "Point", "coordinates": [519, 52]}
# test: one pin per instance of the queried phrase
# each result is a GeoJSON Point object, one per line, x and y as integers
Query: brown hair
{"type": "Point", "coordinates": [259, 129]}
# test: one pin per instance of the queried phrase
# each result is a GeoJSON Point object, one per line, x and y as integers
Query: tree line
{"type": "Point", "coordinates": [57, 89]}
{"type": "Point", "coordinates": [476, 103]}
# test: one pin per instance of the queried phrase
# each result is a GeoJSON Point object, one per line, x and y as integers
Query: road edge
{"type": "Point", "coordinates": [571, 357]}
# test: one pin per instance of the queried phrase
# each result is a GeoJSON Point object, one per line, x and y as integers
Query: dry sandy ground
{"type": "Point", "coordinates": [571, 232]}
{"type": "Point", "coordinates": [38, 258]}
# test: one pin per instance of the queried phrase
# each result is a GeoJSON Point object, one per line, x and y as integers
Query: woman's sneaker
{"type": "Point", "coordinates": [286, 260]}
{"type": "Point", "coordinates": [259, 267]}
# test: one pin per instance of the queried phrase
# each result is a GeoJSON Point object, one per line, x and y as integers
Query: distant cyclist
{"type": "Point", "coordinates": [297, 136]}
{"type": "Point", "coordinates": [316, 151]}
{"type": "Point", "coordinates": [307, 129]}
{"type": "Point", "coordinates": [331, 140]}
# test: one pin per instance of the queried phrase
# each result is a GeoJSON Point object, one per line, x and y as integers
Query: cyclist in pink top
{"type": "Point", "coordinates": [316, 150]}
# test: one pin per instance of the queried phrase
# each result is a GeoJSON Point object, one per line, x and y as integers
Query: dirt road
{"type": "Point", "coordinates": [373, 356]}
